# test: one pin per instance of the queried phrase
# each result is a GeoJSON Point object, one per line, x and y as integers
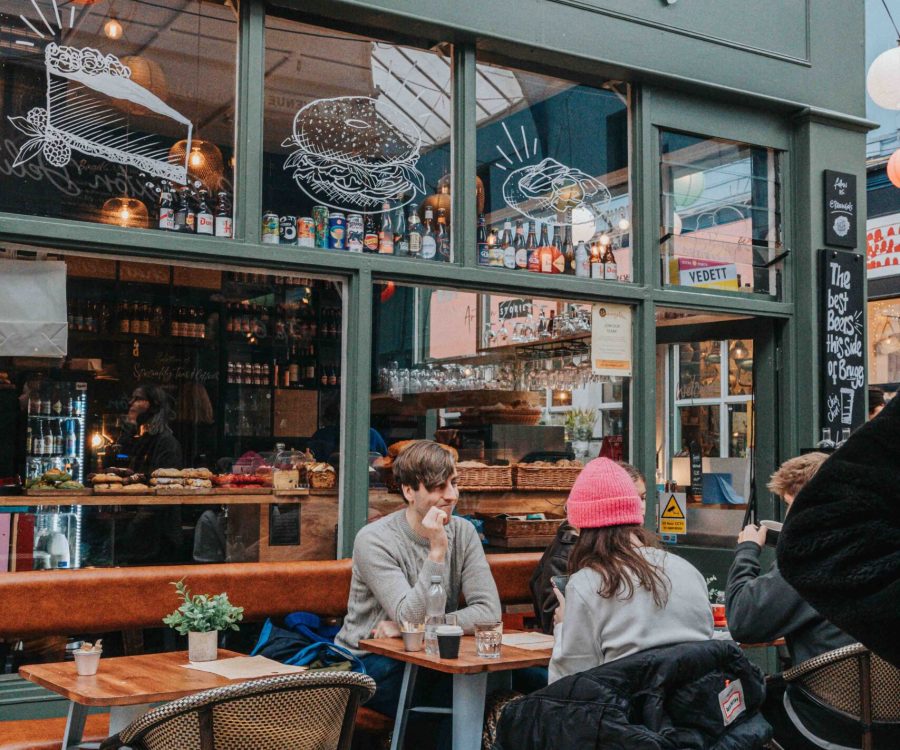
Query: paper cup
{"type": "Point", "coordinates": [87, 662]}
{"type": "Point", "coordinates": [413, 640]}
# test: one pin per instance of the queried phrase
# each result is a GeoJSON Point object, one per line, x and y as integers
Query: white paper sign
{"type": "Point", "coordinates": [611, 339]}
{"type": "Point", "coordinates": [33, 309]}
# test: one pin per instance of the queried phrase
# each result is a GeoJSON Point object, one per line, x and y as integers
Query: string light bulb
{"type": "Point", "coordinates": [113, 29]}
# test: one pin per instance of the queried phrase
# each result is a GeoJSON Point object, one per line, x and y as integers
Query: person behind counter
{"type": "Point", "coordinates": [147, 440]}
{"type": "Point", "coordinates": [625, 593]}
{"type": "Point", "coordinates": [395, 558]}
{"type": "Point", "coordinates": [555, 560]}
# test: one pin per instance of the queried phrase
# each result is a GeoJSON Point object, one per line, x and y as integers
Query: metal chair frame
{"type": "Point", "coordinates": [358, 686]}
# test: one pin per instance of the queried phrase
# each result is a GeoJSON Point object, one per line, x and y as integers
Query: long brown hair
{"type": "Point", "coordinates": [613, 552]}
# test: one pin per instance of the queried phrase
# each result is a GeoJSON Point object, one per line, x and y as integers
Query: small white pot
{"type": "Point", "coordinates": [203, 646]}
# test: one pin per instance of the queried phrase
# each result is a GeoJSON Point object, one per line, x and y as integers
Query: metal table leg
{"type": "Point", "coordinates": [469, 691]}
{"type": "Point", "coordinates": [121, 716]}
{"type": "Point", "coordinates": [74, 725]}
{"type": "Point", "coordinates": [403, 705]}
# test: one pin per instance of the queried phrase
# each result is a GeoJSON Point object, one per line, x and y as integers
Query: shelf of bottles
{"type": "Point", "coordinates": [135, 318]}
{"type": "Point", "coordinates": [55, 431]}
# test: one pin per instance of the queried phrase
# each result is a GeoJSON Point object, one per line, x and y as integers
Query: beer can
{"type": "Point", "coordinates": [355, 232]}
{"type": "Point", "coordinates": [287, 230]}
{"type": "Point", "coordinates": [270, 228]}
{"type": "Point", "coordinates": [320, 218]}
{"type": "Point", "coordinates": [337, 231]}
{"type": "Point", "coordinates": [306, 232]}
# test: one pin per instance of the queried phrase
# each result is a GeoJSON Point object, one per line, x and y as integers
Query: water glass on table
{"type": "Point", "coordinates": [488, 636]}
{"type": "Point", "coordinates": [432, 623]}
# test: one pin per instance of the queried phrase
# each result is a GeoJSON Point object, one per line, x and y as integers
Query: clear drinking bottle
{"type": "Point", "coordinates": [435, 608]}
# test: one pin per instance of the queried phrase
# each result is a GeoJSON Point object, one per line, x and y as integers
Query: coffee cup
{"type": "Point", "coordinates": [413, 637]}
{"type": "Point", "coordinates": [449, 637]}
{"type": "Point", "coordinates": [86, 662]}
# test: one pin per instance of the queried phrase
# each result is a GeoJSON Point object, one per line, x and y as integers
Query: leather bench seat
{"type": "Point", "coordinates": [63, 602]}
{"type": "Point", "coordinates": [45, 734]}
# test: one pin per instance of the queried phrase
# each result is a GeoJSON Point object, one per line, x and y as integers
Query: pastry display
{"type": "Point", "coordinates": [53, 479]}
{"type": "Point", "coordinates": [321, 476]}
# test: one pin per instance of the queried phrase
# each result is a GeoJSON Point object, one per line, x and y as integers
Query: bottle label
{"type": "Point", "coordinates": [521, 258]}
{"type": "Point", "coordinates": [546, 264]}
{"type": "Point", "coordinates": [596, 270]}
{"type": "Point", "coordinates": [509, 257]}
{"type": "Point", "coordinates": [371, 243]}
{"type": "Point", "coordinates": [484, 254]}
{"type": "Point", "coordinates": [223, 226]}
{"type": "Point", "coordinates": [402, 247]}
{"type": "Point", "coordinates": [610, 271]}
{"type": "Point", "coordinates": [429, 246]}
{"type": "Point", "coordinates": [204, 224]}
{"type": "Point", "coordinates": [166, 219]}
{"type": "Point", "coordinates": [385, 243]}
{"type": "Point", "coordinates": [190, 222]}
{"type": "Point", "coordinates": [415, 243]}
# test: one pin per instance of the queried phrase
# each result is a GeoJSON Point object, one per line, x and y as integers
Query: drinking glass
{"type": "Point", "coordinates": [488, 636]}
{"type": "Point", "coordinates": [431, 624]}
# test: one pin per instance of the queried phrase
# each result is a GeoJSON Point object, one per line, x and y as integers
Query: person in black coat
{"type": "Point", "coordinates": [699, 695]}
{"type": "Point", "coordinates": [840, 545]}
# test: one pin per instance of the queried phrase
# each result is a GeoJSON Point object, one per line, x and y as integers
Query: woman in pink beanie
{"type": "Point", "coordinates": [625, 593]}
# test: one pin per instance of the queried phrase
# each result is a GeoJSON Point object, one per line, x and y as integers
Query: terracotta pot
{"type": "Point", "coordinates": [203, 646]}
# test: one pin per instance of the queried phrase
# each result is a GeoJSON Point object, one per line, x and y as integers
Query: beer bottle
{"type": "Point", "coordinates": [185, 218]}
{"type": "Point", "coordinates": [596, 262]}
{"type": "Point", "coordinates": [224, 223]}
{"type": "Point", "coordinates": [507, 245]}
{"type": "Point", "coordinates": [559, 255]}
{"type": "Point", "coordinates": [533, 262]}
{"type": "Point", "coordinates": [401, 239]}
{"type": "Point", "coordinates": [386, 235]}
{"type": "Point", "coordinates": [519, 246]}
{"type": "Point", "coordinates": [484, 251]}
{"type": "Point", "coordinates": [414, 231]}
{"type": "Point", "coordinates": [582, 261]}
{"type": "Point", "coordinates": [166, 209]}
{"type": "Point", "coordinates": [204, 215]}
{"type": "Point", "coordinates": [569, 251]}
{"type": "Point", "coordinates": [545, 251]}
{"type": "Point", "coordinates": [370, 235]}
{"type": "Point", "coordinates": [429, 242]}
{"type": "Point", "coordinates": [610, 267]}
{"type": "Point", "coordinates": [443, 236]}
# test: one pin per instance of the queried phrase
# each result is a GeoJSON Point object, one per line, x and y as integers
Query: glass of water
{"type": "Point", "coordinates": [487, 639]}
{"type": "Point", "coordinates": [432, 623]}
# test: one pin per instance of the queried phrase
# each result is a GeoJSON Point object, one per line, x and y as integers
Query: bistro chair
{"type": "Point", "coordinates": [304, 711]}
{"type": "Point", "coordinates": [853, 682]}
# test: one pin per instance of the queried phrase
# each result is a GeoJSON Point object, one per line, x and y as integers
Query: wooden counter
{"type": "Point", "coordinates": [188, 498]}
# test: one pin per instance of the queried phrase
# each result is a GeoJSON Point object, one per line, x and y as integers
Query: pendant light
{"type": "Point", "coordinates": [739, 351]}
{"type": "Point", "coordinates": [125, 211]}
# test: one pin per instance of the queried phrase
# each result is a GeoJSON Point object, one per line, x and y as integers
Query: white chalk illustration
{"type": "Point", "coordinates": [550, 190]}
{"type": "Point", "coordinates": [847, 396]}
{"type": "Point", "coordinates": [834, 408]}
{"type": "Point", "coordinates": [355, 152]}
{"type": "Point", "coordinates": [83, 88]}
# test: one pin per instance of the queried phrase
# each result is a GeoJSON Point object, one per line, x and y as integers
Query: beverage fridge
{"type": "Point", "coordinates": [55, 429]}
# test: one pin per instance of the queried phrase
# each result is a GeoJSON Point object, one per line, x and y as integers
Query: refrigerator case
{"type": "Point", "coordinates": [55, 431]}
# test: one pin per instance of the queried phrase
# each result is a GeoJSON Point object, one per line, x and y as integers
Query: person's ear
{"type": "Point", "coordinates": [407, 493]}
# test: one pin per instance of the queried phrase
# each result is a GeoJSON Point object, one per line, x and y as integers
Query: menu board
{"type": "Point", "coordinates": [840, 209]}
{"type": "Point", "coordinates": [843, 365]}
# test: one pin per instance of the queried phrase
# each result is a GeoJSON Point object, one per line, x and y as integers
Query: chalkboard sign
{"type": "Point", "coordinates": [843, 365]}
{"type": "Point", "coordinates": [696, 458]}
{"type": "Point", "coordinates": [840, 209]}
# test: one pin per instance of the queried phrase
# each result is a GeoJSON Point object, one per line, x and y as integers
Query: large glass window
{"type": "Point", "coordinates": [163, 413]}
{"type": "Point", "coordinates": [357, 143]}
{"type": "Point", "coordinates": [523, 390]}
{"type": "Point", "coordinates": [721, 215]}
{"type": "Point", "coordinates": [884, 342]}
{"type": "Point", "coordinates": [119, 112]}
{"type": "Point", "coordinates": [552, 174]}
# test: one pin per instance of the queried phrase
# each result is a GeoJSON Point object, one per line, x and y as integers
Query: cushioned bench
{"type": "Point", "coordinates": [62, 602]}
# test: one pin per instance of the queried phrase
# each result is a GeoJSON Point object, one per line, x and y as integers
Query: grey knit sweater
{"type": "Point", "coordinates": [392, 573]}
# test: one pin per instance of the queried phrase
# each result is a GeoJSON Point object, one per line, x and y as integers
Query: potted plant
{"type": "Point", "coordinates": [202, 617]}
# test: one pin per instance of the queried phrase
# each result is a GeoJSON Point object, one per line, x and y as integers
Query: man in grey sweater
{"type": "Point", "coordinates": [395, 558]}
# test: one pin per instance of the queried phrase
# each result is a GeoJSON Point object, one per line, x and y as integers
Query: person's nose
{"type": "Point", "coordinates": [451, 493]}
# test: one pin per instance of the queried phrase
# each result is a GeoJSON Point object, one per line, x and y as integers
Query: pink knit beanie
{"type": "Point", "coordinates": [604, 495]}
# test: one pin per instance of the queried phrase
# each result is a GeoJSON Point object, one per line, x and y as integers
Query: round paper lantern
{"type": "Point", "coordinates": [126, 212]}
{"type": "Point", "coordinates": [204, 162]}
{"type": "Point", "coordinates": [687, 188]}
{"type": "Point", "coordinates": [893, 168]}
{"type": "Point", "coordinates": [883, 79]}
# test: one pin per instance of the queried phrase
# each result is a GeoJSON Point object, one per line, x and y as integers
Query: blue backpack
{"type": "Point", "coordinates": [302, 640]}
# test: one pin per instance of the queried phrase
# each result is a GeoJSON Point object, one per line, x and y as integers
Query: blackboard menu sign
{"type": "Point", "coordinates": [840, 209]}
{"type": "Point", "coordinates": [843, 366]}
{"type": "Point", "coordinates": [696, 458]}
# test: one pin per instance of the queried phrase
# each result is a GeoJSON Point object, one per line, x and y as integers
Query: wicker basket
{"type": "Point", "coordinates": [526, 417]}
{"type": "Point", "coordinates": [556, 478]}
{"type": "Point", "coordinates": [505, 528]}
{"type": "Point", "coordinates": [473, 478]}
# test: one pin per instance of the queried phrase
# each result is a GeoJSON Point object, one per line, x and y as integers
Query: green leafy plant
{"type": "Point", "coordinates": [580, 422]}
{"type": "Point", "coordinates": [202, 613]}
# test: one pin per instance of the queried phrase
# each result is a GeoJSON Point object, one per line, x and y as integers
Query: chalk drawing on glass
{"type": "Point", "coordinates": [550, 191]}
{"type": "Point", "coordinates": [84, 87]}
{"type": "Point", "coordinates": [355, 152]}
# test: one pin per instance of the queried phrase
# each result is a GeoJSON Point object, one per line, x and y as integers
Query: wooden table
{"type": "Point", "coordinates": [127, 685]}
{"type": "Point", "coordinates": [469, 683]}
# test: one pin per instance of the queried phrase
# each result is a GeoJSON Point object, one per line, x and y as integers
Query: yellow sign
{"type": "Point", "coordinates": [672, 519]}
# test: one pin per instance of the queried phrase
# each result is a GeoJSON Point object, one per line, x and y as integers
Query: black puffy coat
{"type": "Point", "coordinates": [661, 699]}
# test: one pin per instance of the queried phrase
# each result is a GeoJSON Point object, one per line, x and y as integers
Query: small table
{"type": "Point", "coordinates": [127, 685]}
{"type": "Point", "coordinates": [469, 683]}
